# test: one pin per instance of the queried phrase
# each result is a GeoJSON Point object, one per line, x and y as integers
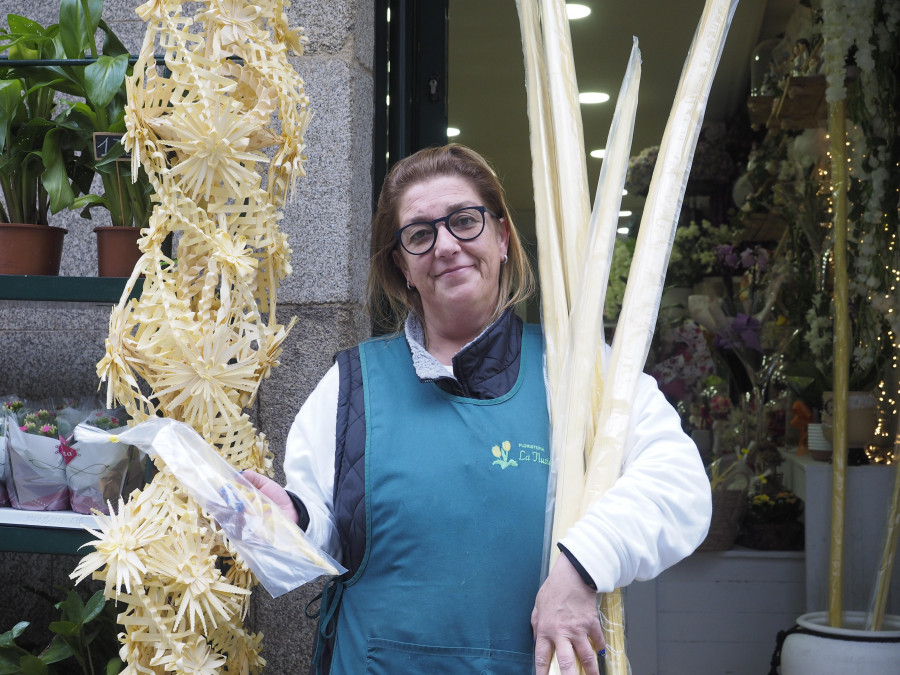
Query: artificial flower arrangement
{"type": "Point", "coordinates": [44, 470]}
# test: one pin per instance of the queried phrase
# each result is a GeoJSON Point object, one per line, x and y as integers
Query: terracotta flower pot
{"type": "Point", "coordinates": [30, 249]}
{"type": "Point", "coordinates": [117, 250]}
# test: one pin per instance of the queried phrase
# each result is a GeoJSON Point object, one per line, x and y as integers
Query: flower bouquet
{"type": "Point", "coordinates": [96, 470]}
{"type": "Point", "coordinates": [36, 475]}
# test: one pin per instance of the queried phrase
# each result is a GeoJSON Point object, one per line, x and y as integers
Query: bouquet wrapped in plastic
{"type": "Point", "coordinates": [96, 469]}
{"type": "Point", "coordinates": [36, 470]}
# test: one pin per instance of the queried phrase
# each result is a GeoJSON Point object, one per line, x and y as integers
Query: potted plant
{"type": "Point", "coordinates": [94, 117]}
{"type": "Point", "coordinates": [98, 119]}
{"type": "Point", "coordinates": [38, 160]}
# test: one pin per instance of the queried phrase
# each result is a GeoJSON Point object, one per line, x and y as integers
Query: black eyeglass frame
{"type": "Point", "coordinates": [433, 224]}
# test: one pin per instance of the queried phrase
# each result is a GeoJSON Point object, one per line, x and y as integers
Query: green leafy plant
{"type": "Point", "coordinates": [94, 102]}
{"type": "Point", "coordinates": [100, 90]}
{"type": "Point", "coordinates": [84, 641]}
{"type": "Point", "coordinates": [37, 153]}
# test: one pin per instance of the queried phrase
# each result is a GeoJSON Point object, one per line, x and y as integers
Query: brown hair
{"type": "Point", "coordinates": [389, 298]}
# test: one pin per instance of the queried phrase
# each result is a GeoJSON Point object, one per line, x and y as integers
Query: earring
{"type": "Point", "coordinates": [504, 260]}
{"type": "Point", "coordinates": [408, 287]}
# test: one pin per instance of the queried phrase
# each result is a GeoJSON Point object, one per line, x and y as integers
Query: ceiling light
{"type": "Point", "coordinates": [452, 131]}
{"type": "Point", "coordinates": [624, 214]}
{"type": "Point", "coordinates": [624, 192]}
{"type": "Point", "coordinates": [623, 230]}
{"type": "Point", "coordinates": [575, 11]}
{"type": "Point", "coordinates": [592, 97]}
{"type": "Point", "coordinates": [598, 154]}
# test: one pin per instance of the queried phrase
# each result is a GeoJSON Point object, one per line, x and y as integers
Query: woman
{"type": "Point", "coordinates": [421, 458]}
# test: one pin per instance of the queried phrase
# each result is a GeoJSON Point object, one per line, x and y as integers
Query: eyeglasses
{"type": "Point", "coordinates": [465, 224]}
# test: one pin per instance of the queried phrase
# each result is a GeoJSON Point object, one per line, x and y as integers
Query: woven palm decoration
{"type": "Point", "coordinates": [221, 138]}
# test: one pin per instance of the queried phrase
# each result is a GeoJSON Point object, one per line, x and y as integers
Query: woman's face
{"type": "Point", "coordinates": [455, 279]}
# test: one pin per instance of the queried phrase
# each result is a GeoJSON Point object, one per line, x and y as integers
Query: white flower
{"type": "Point", "coordinates": [198, 659]}
{"type": "Point", "coordinates": [119, 550]}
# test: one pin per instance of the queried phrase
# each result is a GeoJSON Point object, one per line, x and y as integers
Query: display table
{"type": "Point", "coordinates": [868, 498]}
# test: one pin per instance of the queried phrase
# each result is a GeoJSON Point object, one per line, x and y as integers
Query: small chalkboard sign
{"type": "Point", "coordinates": [105, 142]}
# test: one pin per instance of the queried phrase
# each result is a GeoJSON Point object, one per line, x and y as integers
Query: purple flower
{"type": "Point", "coordinates": [762, 259]}
{"type": "Point", "coordinates": [743, 333]}
{"type": "Point", "coordinates": [725, 255]}
{"type": "Point", "coordinates": [747, 258]}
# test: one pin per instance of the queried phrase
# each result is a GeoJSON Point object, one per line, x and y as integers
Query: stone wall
{"type": "Point", "coordinates": [53, 347]}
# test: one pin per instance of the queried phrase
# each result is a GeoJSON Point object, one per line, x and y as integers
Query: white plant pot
{"type": "Point", "coordinates": [819, 649]}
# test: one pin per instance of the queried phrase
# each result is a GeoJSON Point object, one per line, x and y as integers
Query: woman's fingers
{"type": "Point", "coordinates": [273, 491]}
{"type": "Point", "coordinates": [569, 652]}
{"type": "Point", "coordinates": [566, 621]}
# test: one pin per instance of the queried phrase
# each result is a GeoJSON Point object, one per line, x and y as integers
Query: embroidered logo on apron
{"type": "Point", "coordinates": [525, 452]}
{"type": "Point", "coordinates": [501, 452]}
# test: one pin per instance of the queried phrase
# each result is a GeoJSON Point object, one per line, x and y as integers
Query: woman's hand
{"type": "Point", "coordinates": [566, 619]}
{"type": "Point", "coordinates": [273, 491]}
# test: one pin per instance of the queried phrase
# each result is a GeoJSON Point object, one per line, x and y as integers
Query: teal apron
{"type": "Point", "coordinates": [456, 491]}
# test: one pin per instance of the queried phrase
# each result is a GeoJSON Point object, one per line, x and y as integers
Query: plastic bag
{"type": "Point", "coordinates": [96, 472]}
{"type": "Point", "coordinates": [271, 544]}
{"type": "Point", "coordinates": [36, 472]}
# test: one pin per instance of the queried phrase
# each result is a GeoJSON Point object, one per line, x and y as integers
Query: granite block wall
{"type": "Point", "coordinates": [52, 348]}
